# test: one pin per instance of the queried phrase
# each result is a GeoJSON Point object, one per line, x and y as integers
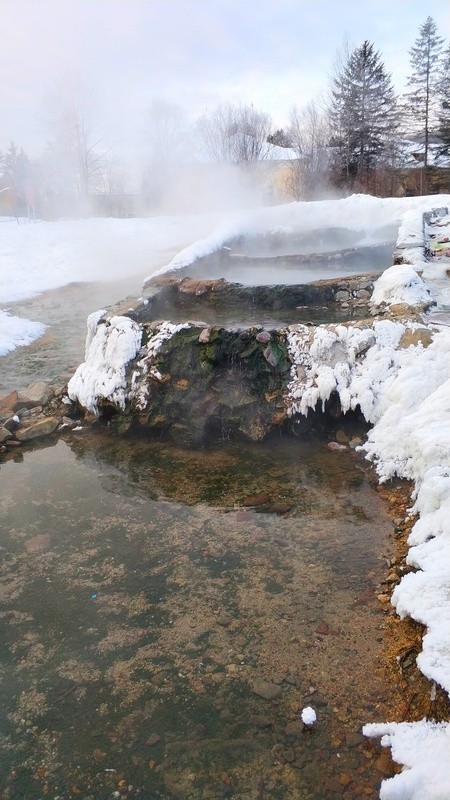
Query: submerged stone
{"type": "Point", "coordinates": [266, 689]}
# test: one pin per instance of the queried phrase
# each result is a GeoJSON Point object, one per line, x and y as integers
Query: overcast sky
{"type": "Point", "coordinates": [273, 53]}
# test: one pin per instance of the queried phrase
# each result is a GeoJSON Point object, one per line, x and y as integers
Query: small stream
{"type": "Point", "coordinates": [166, 614]}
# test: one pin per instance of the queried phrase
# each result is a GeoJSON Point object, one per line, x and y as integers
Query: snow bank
{"type": "Point", "coordinates": [46, 255]}
{"type": "Point", "coordinates": [17, 332]}
{"type": "Point", "coordinates": [405, 392]}
{"type": "Point", "coordinates": [110, 346]}
{"type": "Point", "coordinates": [411, 243]}
{"type": "Point", "coordinates": [424, 749]}
{"type": "Point", "coordinates": [412, 433]}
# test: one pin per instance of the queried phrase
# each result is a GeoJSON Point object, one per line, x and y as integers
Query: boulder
{"type": "Point", "coordinates": [10, 403]}
{"type": "Point", "coordinates": [42, 426]}
{"type": "Point", "coordinates": [4, 434]}
{"type": "Point", "coordinates": [37, 394]}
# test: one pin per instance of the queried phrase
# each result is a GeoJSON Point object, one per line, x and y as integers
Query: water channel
{"type": "Point", "coordinates": [166, 614]}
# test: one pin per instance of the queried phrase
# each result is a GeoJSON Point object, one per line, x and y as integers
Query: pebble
{"type": "Point", "coordinates": [336, 446]}
{"type": "Point", "coordinates": [323, 628]}
{"type": "Point", "coordinates": [266, 689]}
{"type": "Point", "coordinates": [294, 729]}
{"type": "Point", "coordinates": [256, 499]}
{"type": "Point", "coordinates": [224, 620]}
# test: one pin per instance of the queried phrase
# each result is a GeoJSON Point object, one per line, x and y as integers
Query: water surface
{"type": "Point", "coordinates": [149, 592]}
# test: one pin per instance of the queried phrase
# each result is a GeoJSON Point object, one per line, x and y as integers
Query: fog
{"type": "Point", "coordinates": [83, 78]}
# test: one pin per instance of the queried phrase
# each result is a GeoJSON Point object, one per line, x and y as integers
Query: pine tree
{"type": "Point", "coordinates": [421, 103]}
{"type": "Point", "coordinates": [362, 114]}
{"type": "Point", "coordinates": [444, 112]}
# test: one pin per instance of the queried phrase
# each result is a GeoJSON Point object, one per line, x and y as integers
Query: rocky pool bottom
{"type": "Point", "coordinates": [167, 613]}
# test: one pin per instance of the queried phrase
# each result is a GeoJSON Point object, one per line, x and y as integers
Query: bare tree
{"type": "Point", "coordinates": [78, 152]}
{"type": "Point", "coordinates": [308, 135]}
{"type": "Point", "coordinates": [235, 134]}
{"type": "Point", "coordinates": [167, 140]}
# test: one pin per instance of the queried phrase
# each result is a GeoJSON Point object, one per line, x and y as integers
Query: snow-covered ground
{"type": "Point", "coordinates": [38, 256]}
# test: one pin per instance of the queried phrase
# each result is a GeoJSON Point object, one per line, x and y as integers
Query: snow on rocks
{"type": "Point", "coordinates": [146, 367]}
{"type": "Point", "coordinates": [111, 344]}
{"type": "Point", "coordinates": [424, 750]}
{"type": "Point", "coordinates": [352, 361]}
{"type": "Point", "coordinates": [400, 284]}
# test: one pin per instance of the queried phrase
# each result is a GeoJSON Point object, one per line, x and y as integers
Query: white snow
{"type": "Point", "coordinates": [400, 284]}
{"type": "Point", "coordinates": [17, 332]}
{"type": "Point", "coordinates": [371, 219]}
{"type": "Point", "coordinates": [37, 257]}
{"type": "Point", "coordinates": [111, 343]}
{"type": "Point", "coordinates": [424, 749]}
{"type": "Point", "coordinates": [354, 362]}
{"type": "Point", "coordinates": [308, 715]}
{"type": "Point", "coordinates": [109, 349]}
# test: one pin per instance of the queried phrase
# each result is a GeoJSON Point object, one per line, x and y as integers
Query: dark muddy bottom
{"type": "Point", "coordinates": [155, 599]}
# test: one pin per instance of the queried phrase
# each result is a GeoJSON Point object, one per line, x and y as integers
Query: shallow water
{"type": "Point", "coordinates": [64, 311]}
{"type": "Point", "coordinates": [147, 591]}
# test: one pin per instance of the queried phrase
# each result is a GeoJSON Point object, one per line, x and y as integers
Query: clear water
{"type": "Point", "coordinates": [146, 591]}
{"type": "Point", "coordinates": [64, 311]}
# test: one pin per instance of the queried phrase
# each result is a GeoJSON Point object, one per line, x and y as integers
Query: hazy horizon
{"type": "Point", "coordinates": [192, 52]}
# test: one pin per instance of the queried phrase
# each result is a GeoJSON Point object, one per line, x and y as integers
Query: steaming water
{"type": "Point", "coordinates": [289, 270]}
{"type": "Point", "coordinates": [146, 593]}
{"type": "Point", "coordinates": [65, 310]}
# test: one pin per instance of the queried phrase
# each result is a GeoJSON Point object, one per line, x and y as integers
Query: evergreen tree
{"type": "Point", "coordinates": [444, 112]}
{"type": "Point", "coordinates": [421, 102]}
{"type": "Point", "coordinates": [362, 115]}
